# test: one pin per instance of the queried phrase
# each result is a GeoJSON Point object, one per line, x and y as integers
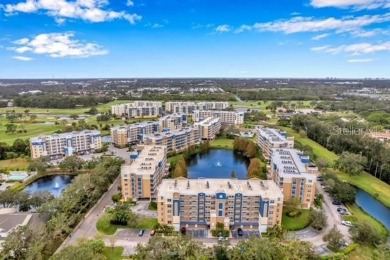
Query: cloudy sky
{"type": "Point", "coordinates": [194, 38]}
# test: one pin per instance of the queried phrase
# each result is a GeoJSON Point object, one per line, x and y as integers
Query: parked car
{"type": "Point", "coordinates": [336, 202]}
{"type": "Point", "coordinates": [240, 232]}
{"type": "Point", "coordinates": [347, 223]}
{"type": "Point", "coordinates": [141, 232]}
{"type": "Point", "coordinates": [153, 232]}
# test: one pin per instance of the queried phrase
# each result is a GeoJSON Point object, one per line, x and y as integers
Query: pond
{"type": "Point", "coordinates": [373, 207]}
{"type": "Point", "coordinates": [54, 184]}
{"type": "Point", "coordinates": [217, 163]}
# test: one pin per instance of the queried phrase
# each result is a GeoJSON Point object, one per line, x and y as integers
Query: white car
{"type": "Point", "coordinates": [347, 223]}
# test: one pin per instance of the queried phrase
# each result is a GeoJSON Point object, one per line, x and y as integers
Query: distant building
{"type": "Point", "coordinates": [269, 138]}
{"type": "Point", "coordinates": [175, 140]}
{"type": "Point", "coordinates": [202, 203]}
{"type": "Point", "coordinates": [226, 117]}
{"type": "Point", "coordinates": [173, 121]}
{"type": "Point", "coordinates": [293, 172]}
{"type": "Point", "coordinates": [138, 109]}
{"type": "Point", "coordinates": [124, 135]}
{"type": "Point", "coordinates": [66, 144]}
{"type": "Point", "coordinates": [140, 178]}
{"type": "Point", "coordinates": [381, 136]}
{"type": "Point", "coordinates": [189, 107]}
{"type": "Point", "coordinates": [209, 128]}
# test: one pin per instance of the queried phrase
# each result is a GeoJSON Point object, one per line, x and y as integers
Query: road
{"type": "Point", "coordinates": [334, 220]}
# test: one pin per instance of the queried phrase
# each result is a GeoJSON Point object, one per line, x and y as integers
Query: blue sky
{"type": "Point", "coordinates": [194, 38]}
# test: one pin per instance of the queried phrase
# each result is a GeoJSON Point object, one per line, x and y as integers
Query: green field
{"type": "Point", "coordinates": [222, 143]}
{"type": "Point", "coordinates": [364, 181]}
{"type": "Point", "coordinates": [14, 164]}
{"type": "Point", "coordinates": [105, 227]}
{"type": "Point", "coordinates": [263, 104]}
{"type": "Point", "coordinates": [113, 253]}
{"type": "Point", "coordinates": [300, 222]}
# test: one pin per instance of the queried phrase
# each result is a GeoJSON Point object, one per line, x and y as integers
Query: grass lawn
{"type": "Point", "coordinates": [113, 253]}
{"type": "Point", "coordinates": [105, 227]}
{"type": "Point", "coordinates": [222, 143]}
{"type": "Point", "coordinates": [300, 222]}
{"type": "Point", "coordinates": [361, 252]}
{"type": "Point", "coordinates": [13, 164]}
{"type": "Point", "coordinates": [364, 181]}
{"type": "Point", "coordinates": [263, 104]}
{"type": "Point", "coordinates": [358, 215]}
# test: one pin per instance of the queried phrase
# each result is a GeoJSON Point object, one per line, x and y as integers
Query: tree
{"type": "Point", "coordinates": [180, 168]}
{"type": "Point", "coordinates": [254, 168]}
{"type": "Point", "coordinates": [24, 243]}
{"type": "Point", "coordinates": [365, 233]}
{"type": "Point", "coordinates": [335, 239]}
{"type": "Point", "coordinates": [74, 116]}
{"type": "Point", "coordinates": [292, 206]}
{"type": "Point", "coordinates": [277, 231]}
{"type": "Point", "coordinates": [120, 215]}
{"type": "Point", "coordinates": [251, 150]}
{"type": "Point", "coordinates": [351, 163]}
{"type": "Point", "coordinates": [40, 165]}
{"type": "Point", "coordinates": [20, 146]}
{"type": "Point", "coordinates": [71, 163]}
{"type": "Point", "coordinates": [33, 118]}
{"type": "Point", "coordinates": [85, 250]}
{"type": "Point", "coordinates": [4, 148]}
{"type": "Point", "coordinates": [10, 128]}
{"type": "Point", "coordinates": [92, 111]}
{"type": "Point", "coordinates": [318, 219]}
{"type": "Point", "coordinates": [345, 192]}
{"type": "Point", "coordinates": [322, 164]}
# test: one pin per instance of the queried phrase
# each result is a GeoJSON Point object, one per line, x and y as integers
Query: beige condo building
{"type": "Point", "coordinates": [202, 203]}
{"type": "Point", "coordinates": [226, 117]}
{"type": "Point", "coordinates": [66, 144]}
{"type": "Point", "coordinates": [124, 135]}
{"type": "Point", "coordinates": [209, 128]}
{"type": "Point", "coordinates": [175, 140]}
{"type": "Point", "coordinates": [138, 109]}
{"type": "Point", "coordinates": [269, 138]}
{"type": "Point", "coordinates": [189, 107]}
{"type": "Point", "coordinates": [141, 177]}
{"type": "Point", "coordinates": [293, 172]}
{"type": "Point", "coordinates": [173, 121]}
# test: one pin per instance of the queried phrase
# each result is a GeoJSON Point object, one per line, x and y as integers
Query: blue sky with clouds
{"type": "Point", "coordinates": [194, 38]}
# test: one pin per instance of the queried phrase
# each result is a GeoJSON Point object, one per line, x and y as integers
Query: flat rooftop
{"type": "Point", "coordinates": [149, 158]}
{"type": "Point", "coordinates": [252, 187]}
{"type": "Point", "coordinates": [208, 121]}
{"type": "Point", "coordinates": [291, 162]}
{"type": "Point", "coordinates": [272, 134]}
{"type": "Point", "coordinates": [64, 135]}
{"type": "Point", "coordinates": [169, 133]}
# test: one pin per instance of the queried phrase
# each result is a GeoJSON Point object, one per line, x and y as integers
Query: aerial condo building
{"type": "Point", "coordinates": [202, 203]}
{"type": "Point", "coordinates": [209, 128]}
{"type": "Point", "coordinates": [124, 135]}
{"type": "Point", "coordinates": [269, 138]}
{"type": "Point", "coordinates": [141, 176]}
{"type": "Point", "coordinates": [138, 109]}
{"type": "Point", "coordinates": [66, 144]}
{"type": "Point", "coordinates": [189, 107]}
{"type": "Point", "coordinates": [293, 172]}
{"type": "Point", "coordinates": [226, 117]}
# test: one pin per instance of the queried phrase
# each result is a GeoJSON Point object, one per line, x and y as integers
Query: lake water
{"type": "Point", "coordinates": [217, 163]}
{"type": "Point", "coordinates": [54, 184]}
{"type": "Point", "coordinates": [373, 207]}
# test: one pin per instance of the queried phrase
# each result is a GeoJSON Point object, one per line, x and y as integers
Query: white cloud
{"type": "Point", "coordinates": [130, 3]}
{"type": "Point", "coordinates": [360, 60]}
{"type": "Point", "coordinates": [223, 28]}
{"type": "Point", "coordinates": [310, 24]}
{"type": "Point", "coordinates": [357, 4]}
{"type": "Point", "coordinates": [157, 26]}
{"type": "Point", "coordinates": [354, 49]}
{"type": "Point", "coordinates": [244, 28]}
{"type": "Point", "coordinates": [58, 45]}
{"type": "Point", "coordinates": [320, 36]}
{"type": "Point", "coordinates": [22, 58]}
{"type": "Point", "coordinates": [87, 10]}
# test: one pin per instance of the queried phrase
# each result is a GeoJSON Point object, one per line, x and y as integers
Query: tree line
{"type": "Point", "coordinates": [18, 148]}
{"type": "Point", "coordinates": [340, 137]}
{"type": "Point", "coordinates": [63, 213]}
{"type": "Point", "coordinates": [50, 100]}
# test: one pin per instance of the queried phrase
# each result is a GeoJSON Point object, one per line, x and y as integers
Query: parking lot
{"type": "Point", "coordinates": [200, 233]}
{"type": "Point", "coordinates": [245, 234]}
{"type": "Point", "coordinates": [131, 234]}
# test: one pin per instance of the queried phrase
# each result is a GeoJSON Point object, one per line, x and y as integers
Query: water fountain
{"type": "Point", "coordinates": [218, 164]}
{"type": "Point", "coordinates": [56, 185]}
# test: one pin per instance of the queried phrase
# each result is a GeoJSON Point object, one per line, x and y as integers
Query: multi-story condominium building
{"type": "Point", "coordinates": [209, 128]}
{"type": "Point", "coordinates": [269, 138]}
{"type": "Point", "coordinates": [190, 107]}
{"type": "Point", "coordinates": [293, 172]}
{"type": "Point", "coordinates": [141, 177]}
{"type": "Point", "coordinates": [138, 109]}
{"type": "Point", "coordinates": [174, 140]}
{"type": "Point", "coordinates": [226, 117]}
{"type": "Point", "coordinates": [381, 136]}
{"type": "Point", "coordinates": [173, 121]}
{"type": "Point", "coordinates": [66, 144]}
{"type": "Point", "coordinates": [202, 203]}
{"type": "Point", "coordinates": [123, 135]}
